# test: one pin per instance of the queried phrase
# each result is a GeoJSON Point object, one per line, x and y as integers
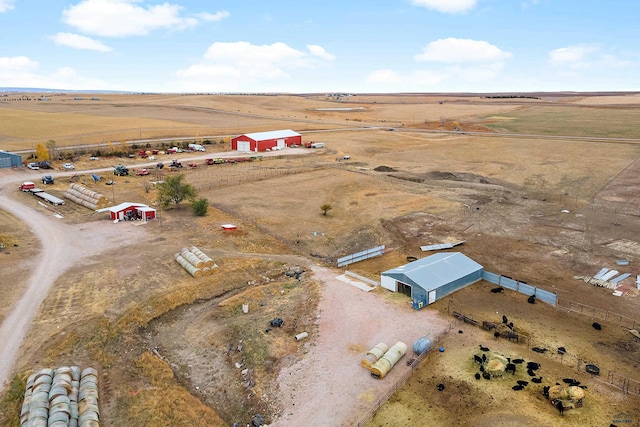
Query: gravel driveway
{"type": "Point", "coordinates": [330, 387]}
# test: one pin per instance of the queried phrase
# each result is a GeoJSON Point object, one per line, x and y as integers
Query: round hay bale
{"type": "Point", "coordinates": [495, 367]}
{"type": "Point", "coordinates": [575, 393]}
{"type": "Point", "coordinates": [558, 392]}
{"type": "Point", "coordinates": [499, 357]}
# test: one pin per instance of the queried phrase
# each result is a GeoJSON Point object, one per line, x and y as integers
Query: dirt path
{"type": "Point", "coordinates": [329, 386]}
{"type": "Point", "coordinates": [63, 246]}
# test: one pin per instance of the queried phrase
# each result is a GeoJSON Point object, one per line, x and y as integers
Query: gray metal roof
{"type": "Point", "coordinates": [434, 271]}
{"type": "Point", "coordinates": [274, 134]}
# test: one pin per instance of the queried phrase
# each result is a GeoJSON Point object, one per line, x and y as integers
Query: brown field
{"type": "Point", "coordinates": [162, 339]}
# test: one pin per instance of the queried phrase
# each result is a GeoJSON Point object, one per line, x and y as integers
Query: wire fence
{"type": "Point", "coordinates": [413, 363]}
{"type": "Point", "coordinates": [600, 314]}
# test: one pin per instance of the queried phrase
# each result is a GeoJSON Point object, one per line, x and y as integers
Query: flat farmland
{"type": "Point", "coordinates": [539, 209]}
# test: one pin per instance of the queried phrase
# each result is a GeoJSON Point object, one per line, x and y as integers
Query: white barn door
{"type": "Point", "coordinates": [432, 297]}
{"type": "Point", "coordinates": [244, 146]}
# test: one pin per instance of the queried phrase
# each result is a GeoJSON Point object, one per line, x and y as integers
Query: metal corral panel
{"type": "Point", "coordinates": [490, 277]}
{"type": "Point", "coordinates": [600, 273]}
{"type": "Point", "coordinates": [620, 278]}
{"type": "Point", "coordinates": [609, 274]}
{"type": "Point", "coordinates": [526, 289]}
{"type": "Point", "coordinates": [361, 256]}
{"type": "Point", "coordinates": [509, 283]}
{"type": "Point", "coordinates": [440, 246]}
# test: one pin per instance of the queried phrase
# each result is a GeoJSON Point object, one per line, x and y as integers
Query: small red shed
{"type": "Point", "coordinates": [263, 141]}
{"type": "Point", "coordinates": [129, 210]}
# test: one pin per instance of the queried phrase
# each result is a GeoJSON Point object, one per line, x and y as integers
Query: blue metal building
{"type": "Point", "coordinates": [10, 160]}
{"type": "Point", "coordinates": [431, 278]}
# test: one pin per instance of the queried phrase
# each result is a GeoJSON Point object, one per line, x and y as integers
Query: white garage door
{"type": "Point", "coordinates": [281, 143]}
{"type": "Point", "coordinates": [244, 146]}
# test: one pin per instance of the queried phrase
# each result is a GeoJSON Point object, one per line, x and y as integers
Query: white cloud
{"type": "Point", "coordinates": [447, 6]}
{"type": "Point", "coordinates": [6, 5]}
{"type": "Point", "coordinates": [572, 55]}
{"type": "Point", "coordinates": [419, 78]}
{"type": "Point", "coordinates": [120, 18]}
{"type": "Point", "coordinates": [213, 17]}
{"type": "Point", "coordinates": [16, 63]}
{"type": "Point", "coordinates": [529, 3]}
{"type": "Point", "coordinates": [319, 51]}
{"type": "Point", "coordinates": [454, 50]}
{"type": "Point", "coordinates": [234, 66]}
{"type": "Point", "coordinates": [79, 42]}
{"type": "Point", "coordinates": [586, 56]}
{"type": "Point", "coordinates": [20, 71]}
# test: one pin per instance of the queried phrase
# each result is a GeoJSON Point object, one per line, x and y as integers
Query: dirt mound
{"type": "Point", "coordinates": [384, 169]}
{"type": "Point", "coordinates": [442, 176]}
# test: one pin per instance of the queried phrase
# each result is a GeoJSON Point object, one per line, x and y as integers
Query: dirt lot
{"type": "Point", "coordinates": [167, 344]}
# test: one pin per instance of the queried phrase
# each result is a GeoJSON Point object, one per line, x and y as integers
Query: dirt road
{"type": "Point", "coordinates": [62, 246]}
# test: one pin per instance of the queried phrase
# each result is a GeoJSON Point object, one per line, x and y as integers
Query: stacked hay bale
{"type": "Point", "coordinates": [381, 367]}
{"type": "Point", "coordinates": [196, 262]}
{"type": "Point", "coordinates": [81, 195]}
{"type": "Point", "coordinates": [374, 355]}
{"type": "Point", "coordinates": [57, 398]}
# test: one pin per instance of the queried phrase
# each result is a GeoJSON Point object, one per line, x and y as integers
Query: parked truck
{"type": "Point", "coordinates": [27, 186]}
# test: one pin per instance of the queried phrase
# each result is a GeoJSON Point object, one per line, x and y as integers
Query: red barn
{"type": "Point", "coordinates": [263, 141]}
{"type": "Point", "coordinates": [130, 210]}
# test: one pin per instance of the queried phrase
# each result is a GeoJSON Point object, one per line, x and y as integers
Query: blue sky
{"type": "Point", "coordinates": [321, 46]}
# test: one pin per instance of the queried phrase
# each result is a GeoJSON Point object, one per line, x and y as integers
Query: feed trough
{"type": "Point", "coordinates": [592, 369]}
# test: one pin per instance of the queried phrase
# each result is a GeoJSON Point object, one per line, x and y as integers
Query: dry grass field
{"type": "Point", "coordinates": [162, 338]}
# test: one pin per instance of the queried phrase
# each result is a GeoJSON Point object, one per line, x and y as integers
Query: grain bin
{"type": "Point", "coordinates": [388, 360]}
{"type": "Point", "coordinates": [422, 345]}
{"type": "Point", "coordinates": [374, 355]}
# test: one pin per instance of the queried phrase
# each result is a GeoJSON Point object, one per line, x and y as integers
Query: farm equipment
{"type": "Point", "coordinates": [142, 172]}
{"type": "Point", "coordinates": [143, 154]}
{"type": "Point", "coordinates": [175, 164]}
{"type": "Point", "coordinates": [160, 165]}
{"type": "Point", "coordinates": [121, 170]}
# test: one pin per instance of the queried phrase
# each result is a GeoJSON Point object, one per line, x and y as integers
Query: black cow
{"type": "Point", "coordinates": [568, 380]}
{"type": "Point", "coordinates": [560, 407]}
{"type": "Point", "coordinates": [496, 335]}
{"type": "Point", "coordinates": [497, 290]}
{"type": "Point", "coordinates": [510, 367]}
{"type": "Point", "coordinates": [537, 380]}
{"type": "Point", "coordinates": [477, 358]}
{"type": "Point", "coordinates": [531, 299]}
{"type": "Point", "coordinates": [440, 387]}
{"type": "Point", "coordinates": [539, 350]}
{"type": "Point", "coordinates": [562, 350]}
{"type": "Point", "coordinates": [523, 383]}
{"type": "Point", "coordinates": [531, 373]}
{"type": "Point", "coordinates": [545, 391]}
{"type": "Point", "coordinates": [484, 348]}
{"type": "Point", "coordinates": [597, 326]}
{"type": "Point", "coordinates": [517, 387]}
{"type": "Point", "coordinates": [484, 358]}
{"type": "Point", "coordinates": [518, 361]}
{"type": "Point", "coordinates": [504, 319]}
{"type": "Point", "coordinates": [533, 366]}
{"type": "Point", "coordinates": [478, 376]}
{"type": "Point", "coordinates": [486, 376]}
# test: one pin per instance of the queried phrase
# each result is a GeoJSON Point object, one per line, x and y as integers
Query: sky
{"type": "Point", "coordinates": [328, 46]}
